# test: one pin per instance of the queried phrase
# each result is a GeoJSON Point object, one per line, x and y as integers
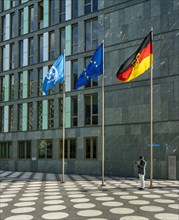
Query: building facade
{"type": "Point", "coordinates": [34, 33]}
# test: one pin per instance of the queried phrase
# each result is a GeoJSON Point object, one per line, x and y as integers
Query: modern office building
{"type": "Point", "coordinates": [34, 33]}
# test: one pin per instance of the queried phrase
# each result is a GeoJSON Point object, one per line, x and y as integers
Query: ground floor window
{"type": "Point", "coordinates": [5, 150]}
{"type": "Point", "coordinates": [90, 149]}
{"type": "Point", "coordinates": [70, 149]}
{"type": "Point", "coordinates": [24, 149]}
{"type": "Point", "coordinates": [44, 149]}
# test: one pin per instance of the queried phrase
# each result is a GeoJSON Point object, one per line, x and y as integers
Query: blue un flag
{"type": "Point", "coordinates": [94, 68]}
{"type": "Point", "coordinates": [54, 75]}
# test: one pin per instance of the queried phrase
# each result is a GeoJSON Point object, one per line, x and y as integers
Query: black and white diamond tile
{"type": "Point", "coordinates": [27, 195]}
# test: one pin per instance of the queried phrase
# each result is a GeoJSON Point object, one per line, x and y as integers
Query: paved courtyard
{"type": "Point", "coordinates": [26, 195]}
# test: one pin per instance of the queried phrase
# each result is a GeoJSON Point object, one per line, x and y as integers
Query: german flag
{"type": "Point", "coordinates": [138, 62]}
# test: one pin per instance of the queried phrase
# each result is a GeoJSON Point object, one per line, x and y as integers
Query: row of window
{"type": "Point", "coordinates": [89, 7]}
{"type": "Point", "coordinates": [45, 149]}
{"type": "Point", "coordinates": [91, 42]}
{"type": "Point", "coordinates": [34, 83]}
{"type": "Point", "coordinates": [90, 114]}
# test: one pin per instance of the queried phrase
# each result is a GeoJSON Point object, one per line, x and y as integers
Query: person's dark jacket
{"type": "Point", "coordinates": [141, 167]}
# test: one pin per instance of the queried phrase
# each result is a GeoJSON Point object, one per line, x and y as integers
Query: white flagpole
{"type": "Point", "coordinates": [102, 159]}
{"type": "Point", "coordinates": [151, 119]}
{"type": "Point", "coordinates": [63, 140]}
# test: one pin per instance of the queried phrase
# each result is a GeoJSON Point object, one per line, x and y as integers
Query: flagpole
{"type": "Point", "coordinates": [151, 118]}
{"type": "Point", "coordinates": [103, 121]}
{"type": "Point", "coordinates": [63, 140]}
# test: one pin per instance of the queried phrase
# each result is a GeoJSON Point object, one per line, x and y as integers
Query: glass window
{"type": "Point", "coordinates": [50, 114]}
{"type": "Point", "coordinates": [51, 45]}
{"type": "Point", "coordinates": [60, 112]}
{"type": "Point", "coordinates": [2, 88]}
{"type": "Point", "coordinates": [74, 9]}
{"type": "Point", "coordinates": [62, 40]}
{"type": "Point", "coordinates": [6, 150]}
{"type": "Point", "coordinates": [21, 22]}
{"type": "Point", "coordinates": [74, 111]}
{"type": "Point", "coordinates": [24, 150]}
{"type": "Point", "coordinates": [2, 5]}
{"type": "Point", "coordinates": [74, 74]}
{"type": "Point", "coordinates": [39, 114]}
{"type": "Point", "coordinates": [30, 116]}
{"type": "Point", "coordinates": [3, 33]}
{"type": "Point", "coordinates": [45, 149]}
{"type": "Point", "coordinates": [12, 32]}
{"type": "Point", "coordinates": [12, 56]}
{"type": "Point", "coordinates": [31, 18]}
{"type": "Point", "coordinates": [3, 58]}
{"type": "Point", "coordinates": [91, 109]}
{"type": "Point", "coordinates": [40, 81]}
{"type": "Point", "coordinates": [62, 10]}
{"type": "Point", "coordinates": [31, 51]}
{"type": "Point", "coordinates": [90, 148]}
{"type": "Point", "coordinates": [13, 3]}
{"type": "Point", "coordinates": [11, 87]}
{"type": "Point", "coordinates": [40, 15]}
{"type": "Point", "coordinates": [20, 85]}
{"type": "Point", "coordinates": [11, 117]}
{"type": "Point", "coordinates": [75, 39]}
{"type": "Point", "coordinates": [52, 12]}
{"type": "Point", "coordinates": [91, 34]}
{"type": "Point", "coordinates": [30, 83]}
{"type": "Point", "coordinates": [20, 117]}
{"type": "Point", "coordinates": [40, 48]}
{"type": "Point", "coordinates": [21, 53]}
{"type": "Point", "coordinates": [91, 6]}
{"type": "Point", "coordinates": [70, 149]}
{"type": "Point", "coordinates": [2, 118]}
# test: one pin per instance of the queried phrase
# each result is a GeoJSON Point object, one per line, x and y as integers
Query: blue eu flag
{"type": "Point", "coordinates": [94, 68]}
{"type": "Point", "coordinates": [54, 75]}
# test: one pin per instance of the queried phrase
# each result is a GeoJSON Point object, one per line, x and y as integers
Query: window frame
{"type": "Point", "coordinates": [30, 83]}
{"type": "Point", "coordinates": [39, 115]}
{"type": "Point", "coordinates": [9, 153]}
{"type": "Point", "coordinates": [61, 12]}
{"type": "Point", "coordinates": [12, 56]}
{"type": "Point", "coordinates": [91, 47]}
{"type": "Point", "coordinates": [11, 87]}
{"type": "Point", "coordinates": [21, 55]}
{"type": "Point", "coordinates": [20, 85]}
{"type": "Point", "coordinates": [62, 43]}
{"type": "Point", "coordinates": [91, 109]}
{"type": "Point", "coordinates": [21, 22]}
{"type": "Point", "coordinates": [25, 151]}
{"type": "Point", "coordinates": [68, 146]}
{"type": "Point", "coordinates": [20, 114]}
{"type": "Point", "coordinates": [2, 115]}
{"type": "Point", "coordinates": [46, 140]}
{"type": "Point", "coordinates": [51, 120]}
{"type": "Point", "coordinates": [40, 15]}
{"type": "Point", "coordinates": [3, 32]}
{"type": "Point", "coordinates": [31, 52]}
{"type": "Point", "coordinates": [51, 45]}
{"type": "Point", "coordinates": [74, 44]}
{"type": "Point", "coordinates": [30, 116]}
{"type": "Point", "coordinates": [73, 117]}
{"type": "Point", "coordinates": [40, 47]}
{"type": "Point", "coordinates": [91, 139]}
{"type": "Point", "coordinates": [11, 118]}
{"type": "Point", "coordinates": [40, 81]}
{"type": "Point", "coordinates": [2, 88]}
{"type": "Point", "coordinates": [31, 19]}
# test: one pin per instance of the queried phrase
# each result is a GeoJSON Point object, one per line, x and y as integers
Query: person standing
{"type": "Point", "coordinates": [141, 165]}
